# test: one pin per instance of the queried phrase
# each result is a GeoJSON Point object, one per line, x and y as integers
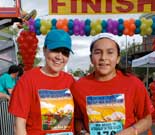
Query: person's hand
{"type": "Point", "coordinates": [87, 134]}
{"type": "Point", "coordinates": [128, 131]}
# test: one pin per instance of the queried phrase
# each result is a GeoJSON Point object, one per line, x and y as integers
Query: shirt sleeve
{"type": "Point", "coordinates": [143, 105]}
{"type": "Point", "coordinates": [9, 82]}
{"type": "Point", "coordinates": [21, 98]}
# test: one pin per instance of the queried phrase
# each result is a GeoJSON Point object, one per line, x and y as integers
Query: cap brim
{"type": "Point", "coordinates": [56, 47]}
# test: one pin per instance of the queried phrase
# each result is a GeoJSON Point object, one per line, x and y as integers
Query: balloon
{"type": "Point", "coordinates": [120, 27]}
{"type": "Point", "coordinates": [104, 24]}
{"type": "Point", "coordinates": [38, 32]}
{"type": "Point", "coordinates": [93, 32]}
{"type": "Point", "coordinates": [70, 24]}
{"type": "Point", "coordinates": [137, 23]}
{"type": "Point", "coordinates": [120, 21]}
{"type": "Point", "coordinates": [137, 30]}
{"type": "Point", "coordinates": [20, 39]}
{"type": "Point", "coordinates": [87, 29]}
{"type": "Point", "coordinates": [37, 23]}
{"type": "Point", "coordinates": [43, 30]}
{"type": "Point", "coordinates": [153, 18]}
{"type": "Point", "coordinates": [43, 22]}
{"type": "Point", "coordinates": [48, 24]}
{"type": "Point", "coordinates": [87, 22]}
{"type": "Point", "coordinates": [54, 21]}
{"type": "Point", "coordinates": [98, 28]}
{"type": "Point", "coordinates": [70, 32]}
{"type": "Point", "coordinates": [153, 26]}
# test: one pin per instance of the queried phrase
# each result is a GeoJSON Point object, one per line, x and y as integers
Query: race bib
{"type": "Point", "coordinates": [66, 133]}
{"type": "Point", "coordinates": [108, 128]}
{"type": "Point", "coordinates": [106, 114]}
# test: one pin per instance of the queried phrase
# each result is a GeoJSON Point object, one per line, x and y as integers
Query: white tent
{"type": "Point", "coordinates": [145, 61]}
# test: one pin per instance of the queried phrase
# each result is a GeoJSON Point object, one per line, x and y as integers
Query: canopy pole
{"type": "Point", "coordinates": [147, 76]}
{"type": "Point", "coordinates": [126, 52]}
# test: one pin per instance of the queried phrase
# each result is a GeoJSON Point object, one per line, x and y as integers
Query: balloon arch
{"type": "Point", "coordinates": [28, 41]}
{"type": "Point", "coordinates": [88, 27]}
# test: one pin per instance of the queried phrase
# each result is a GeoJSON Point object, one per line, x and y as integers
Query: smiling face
{"type": "Point", "coordinates": [104, 57]}
{"type": "Point", "coordinates": [55, 60]}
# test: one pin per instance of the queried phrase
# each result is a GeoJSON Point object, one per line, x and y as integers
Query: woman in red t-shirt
{"type": "Point", "coordinates": [42, 101]}
{"type": "Point", "coordinates": [110, 101]}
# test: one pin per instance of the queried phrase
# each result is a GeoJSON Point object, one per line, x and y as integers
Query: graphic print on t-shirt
{"type": "Point", "coordinates": [56, 109]}
{"type": "Point", "coordinates": [106, 114]}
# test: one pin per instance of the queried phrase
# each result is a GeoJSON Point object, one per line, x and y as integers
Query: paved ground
{"type": "Point", "coordinates": [153, 130]}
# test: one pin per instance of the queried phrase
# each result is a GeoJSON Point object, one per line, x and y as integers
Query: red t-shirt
{"type": "Point", "coordinates": [91, 95]}
{"type": "Point", "coordinates": [45, 102]}
{"type": "Point", "coordinates": [152, 87]}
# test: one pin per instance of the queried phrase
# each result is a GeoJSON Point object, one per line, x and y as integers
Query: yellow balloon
{"type": "Point", "coordinates": [98, 28]}
{"type": "Point", "coordinates": [43, 22]}
{"type": "Point", "coordinates": [93, 32]}
{"type": "Point", "coordinates": [43, 30]}
{"type": "Point", "coordinates": [149, 31]}
{"type": "Point", "coordinates": [48, 24]}
{"type": "Point", "coordinates": [93, 24]}
{"type": "Point", "coordinates": [150, 22]}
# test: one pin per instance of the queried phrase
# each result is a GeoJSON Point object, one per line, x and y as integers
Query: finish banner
{"type": "Point", "coordinates": [64, 7]}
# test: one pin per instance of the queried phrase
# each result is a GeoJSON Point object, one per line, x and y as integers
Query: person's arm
{"type": "Point", "coordinates": [20, 126]}
{"type": "Point", "coordinates": [79, 128]}
{"type": "Point", "coordinates": [3, 95]}
{"type": "Point", "coordinates": [139, 127]}
{"type": "Point", "coordinates": [10, 91]}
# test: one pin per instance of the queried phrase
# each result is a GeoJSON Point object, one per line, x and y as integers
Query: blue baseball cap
{"type": "Point", "coordinates": [58, 38]}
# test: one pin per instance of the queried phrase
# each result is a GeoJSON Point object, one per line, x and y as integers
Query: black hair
{"type": "Point", "coordinates": [21, 69]}
{"type": "Point", "coordinates": [118, 66]}
{"type": "Point", "coordinates": [13, 69]}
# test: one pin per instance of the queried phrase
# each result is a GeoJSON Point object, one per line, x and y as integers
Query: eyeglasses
{"type": "Point", "coordinates": [63, 50]}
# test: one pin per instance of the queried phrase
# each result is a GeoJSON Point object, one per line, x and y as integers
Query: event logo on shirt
{"type": "Point", "coordinates": [106, 114]}
{"type": "Point", "coordinates": [56, 110]}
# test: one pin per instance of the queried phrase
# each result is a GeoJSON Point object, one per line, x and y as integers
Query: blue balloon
{"type": "Point", "coordinates": [70, 32]}
{"type": "Point", "coordinates": [120, 21]}
{"type": "Point", "coordinates": [37, 23]}
{"type": "Point", "coordinates": [87, 22]}
{"type": "Point", "coordinates": [104, 24]}
{"type": "Point", "coordinates": [87, 29]}
{"type": "Point", "coordinates": [153, 18]}
{"type": "Point", "coordinates": [120, 33]}
{"type": "Point", "coordinates": [53, 27]}
{"type": "Point", "coordinates": [153, 25]}
{"type": "Point", "coordinates": [104, 30]}
{"type": "Point", "coordinates": [153, 32]}
{"type": "Point", "coordinates": [137, 23]}
{"type": "Point", "coordinates": [54, 21]}
{"type": "Point", "coordinates": [70, 24]}
{"type": "Point", "coordinates": [137, 31]}
{"type": "Point", "coordinates": [38, 32]}
{"type": "Point", "coordinates": [120, 27]}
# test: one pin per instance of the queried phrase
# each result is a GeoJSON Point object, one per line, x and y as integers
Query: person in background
{"type": "Point", "coordinates": [152, 86]}
{"type": "Point", "coordinates": [7, 84]}
{"type": "Point", "coordinates": [42, 102]}
{"type": "Point", "coordinates": [8, 81]}
{"type": "Point", "coordinates": [109, 100]}
{"type": "Point", "coordinates": [21, 70]}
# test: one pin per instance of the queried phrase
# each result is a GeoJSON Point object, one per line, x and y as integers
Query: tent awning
{"type": "Point", "coordinates": [145, 61]}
